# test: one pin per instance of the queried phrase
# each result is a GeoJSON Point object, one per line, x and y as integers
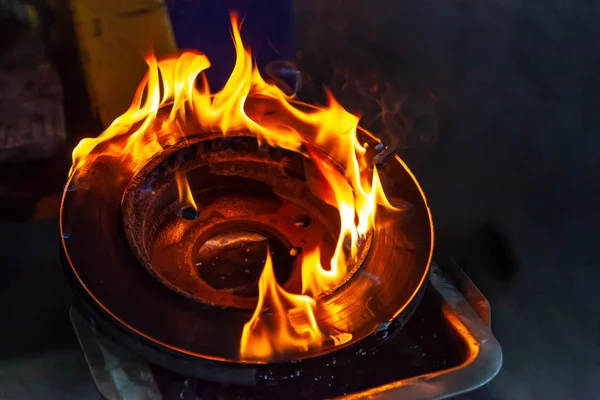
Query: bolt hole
{"type": "Point", "coordinates": [188, 213]}
{"type": "Point", "coordinates": [302, 221]}
{"type": "Point", "coordinates": [295, 251]}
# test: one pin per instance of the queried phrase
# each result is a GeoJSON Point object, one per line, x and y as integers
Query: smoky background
{"type": "Point", "coordinates": [494, 106]}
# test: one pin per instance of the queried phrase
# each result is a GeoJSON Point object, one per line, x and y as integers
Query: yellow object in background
{"type": "Point", "coordinates": [113, 38]}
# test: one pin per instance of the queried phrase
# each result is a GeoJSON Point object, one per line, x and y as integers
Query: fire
{"type": "Point", "coordinates": [282, 321]}
{"type": "Point", "coordinates": [186, 197]}
{"type": "Point", "coordinates": [295, 325]}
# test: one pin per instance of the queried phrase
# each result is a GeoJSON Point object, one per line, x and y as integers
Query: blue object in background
{"type": "Point", "coordinates": [204, 25]}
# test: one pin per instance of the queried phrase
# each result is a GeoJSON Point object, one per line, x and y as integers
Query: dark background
{"type": "Point", "coordinates": [498, 119]}
{"type": "Point", "coordinates": [510, 162]}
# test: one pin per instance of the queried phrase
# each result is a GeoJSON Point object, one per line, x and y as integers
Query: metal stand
{"type": "Point", "coordinates": [117, 372]}
{"type": "Point", "coordinates": [120, 374]}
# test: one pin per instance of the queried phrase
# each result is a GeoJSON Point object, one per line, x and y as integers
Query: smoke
{"type": "Point", "coordinates": [351, 51]}
{"type": "Point", "coordinates": [507, 91]}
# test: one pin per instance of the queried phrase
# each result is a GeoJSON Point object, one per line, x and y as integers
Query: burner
{"type": "Point", "coordinates": [444, 350]}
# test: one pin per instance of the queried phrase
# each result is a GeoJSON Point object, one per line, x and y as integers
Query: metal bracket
{"type": "Point", "coordinates": [481, 365]}
{"type": "Point", "coordinates": [117, 373]}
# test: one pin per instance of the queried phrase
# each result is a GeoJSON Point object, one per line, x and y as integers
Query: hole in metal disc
{"type": "Point", "coordinates": [295, 251]}
{"type": "Point", "coordinates": [188, 213]}
{"type": "Point", "coordinates": [233, 262]}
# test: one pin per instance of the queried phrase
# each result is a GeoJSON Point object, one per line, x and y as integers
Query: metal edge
{"type": "Point", "coordinates": [482, 364]}
{"type": "Point", "coordinates": [466, 286]}
{"type": "Point", "coordinates": [117, 373]}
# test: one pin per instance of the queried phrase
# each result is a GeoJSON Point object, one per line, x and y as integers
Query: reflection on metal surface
{"type": "Point", "coordinates": [466, 286]}
{"type": "Point", "coordinates": [483, 361]}
{"type": "Point", "coordinates": [232, 262]}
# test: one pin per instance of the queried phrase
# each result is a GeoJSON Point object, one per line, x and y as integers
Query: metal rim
{"type": "Point", "coordinates": [178, 321]}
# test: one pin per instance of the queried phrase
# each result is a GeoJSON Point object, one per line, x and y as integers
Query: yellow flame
{"type": "Point", "coordinates": [177, 85]}
{"type": "Point", "coordinates": [294, 325]}
{"type": "Point", "coordinates": [183, 190]}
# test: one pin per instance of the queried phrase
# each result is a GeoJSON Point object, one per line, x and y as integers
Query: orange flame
{"type": "Point", "coordinates": [295, 324]}
{"type": "Point", "coordinates": [178, 84]}
{"type": "Point", "coordinates": [183, 190]}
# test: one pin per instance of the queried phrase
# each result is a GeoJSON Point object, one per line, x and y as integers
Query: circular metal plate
{"type": "Point", "coordinates": [110, 275]}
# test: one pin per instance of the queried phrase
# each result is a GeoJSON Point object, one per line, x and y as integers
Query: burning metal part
{"type": "Point", "coordinates": [295, 220]}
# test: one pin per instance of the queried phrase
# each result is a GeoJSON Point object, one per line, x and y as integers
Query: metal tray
{"type": "Point", "coordinates": [120, 374]}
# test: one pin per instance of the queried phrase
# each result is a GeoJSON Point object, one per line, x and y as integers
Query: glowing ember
{"type": "Point", "coordinates": [178, 85]}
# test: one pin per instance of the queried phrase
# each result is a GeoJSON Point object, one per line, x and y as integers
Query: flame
{"type": "Point", "coordinates": [178, 85]}
{"type": "Point", "coordinates": [294, 324]}
{"type": "Point", "coordinates": [183, 190]}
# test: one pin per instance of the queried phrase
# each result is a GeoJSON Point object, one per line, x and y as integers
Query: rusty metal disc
{"type": "Point", "coordinates": [140, 261]}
